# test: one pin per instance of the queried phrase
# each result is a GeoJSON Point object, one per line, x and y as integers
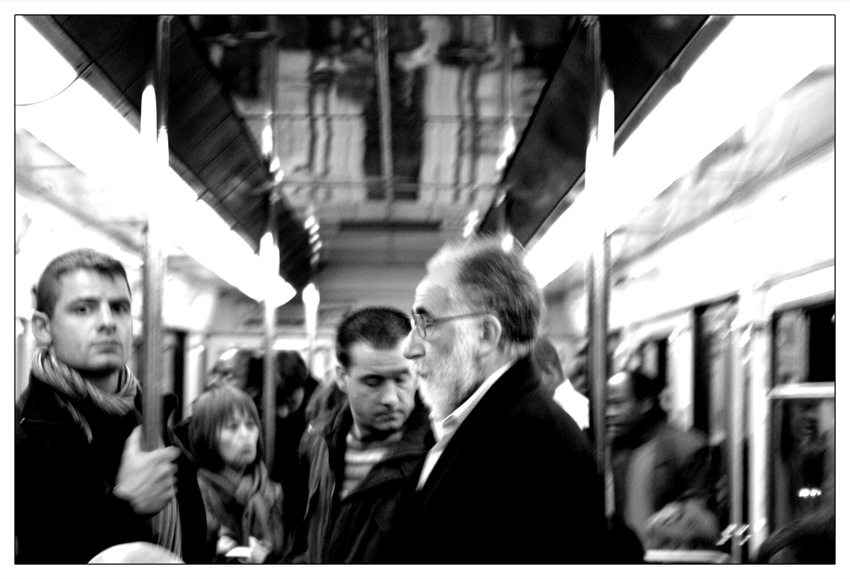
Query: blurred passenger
{"type": "Point", "coordinates": [82, 481]}
{"type": "Point", "coordinates": [809, 540]}
{"type": "Point", "coordinates": [364, 459]}
{"type": "Point", "coordinates": [559, 386]}
{"type": "Point", "coordinates": [231, 369]}
{"type": "Point", "coordinates": [293, 387]}
{"type": "Point", "coordinates": [244, 506]}
{"type": "Point", "coordinates": [578, 373]}
{"type": "Point", "coordinates": [653, 461]}
{"type": "Point", "coordinates": [683, 532]}
{"type": "Point", "coordinates": [253, 385]}
{"type": "Point", "coordinates": [242, 370]}
{"type": "Point", "coordinates": [326, 397]}
{"type": "Point", "coordinates": [511, 478]}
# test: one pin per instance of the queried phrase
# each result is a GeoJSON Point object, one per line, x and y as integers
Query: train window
{"type": "Point", "coordinates": [652, 355]}
{"type": "Point", "coordinates": [802, 413]}
{"type": "Point", "coordinates": [804, 345]}
{"type": "Point", "coordinates": [802, 458]}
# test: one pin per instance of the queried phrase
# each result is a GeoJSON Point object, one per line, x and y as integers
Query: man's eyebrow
{"type": "Point", "coordinates": [81, 300]}
{"type": "Point", "coordinates": [422, 311]}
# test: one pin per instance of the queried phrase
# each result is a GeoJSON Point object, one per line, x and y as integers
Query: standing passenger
{"type": "Point", "coordinates": [82, 482]}
{"type": "Point", "coordinates": [558, 385]}
{"type": "Point", "coordinates": [511, 478]}
{"type": "Point", "coordinates": [361, 464]}
{"type": "Point", "coordinates": [294, 385]}
{"type": "Point", "coordinates": [653, 461]}
{"type": "Point", "coordinates": [244, 506]}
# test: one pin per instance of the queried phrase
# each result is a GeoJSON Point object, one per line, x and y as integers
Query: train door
{"type": "Point", "coordinates": [720, 398]}
{"type": "Point", "coordinates": [801, 415]}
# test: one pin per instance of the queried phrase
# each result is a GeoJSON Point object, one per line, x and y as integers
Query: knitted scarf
{"type": "Point", "coordinates": [254, 494]}
{"type": "Point", "coordinates": [75, 390]}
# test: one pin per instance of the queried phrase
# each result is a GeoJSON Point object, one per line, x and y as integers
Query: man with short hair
{"type": "Point", "coordinates": [363, 462]}
{"type": "Point", "coordinates": [653, 461]}
{"type": "Point", "coordinates": [511, 478]}
{"type": "Point", "coordinates": [558, 385]}
{"type": "Point", "coordinates": [82, 481]}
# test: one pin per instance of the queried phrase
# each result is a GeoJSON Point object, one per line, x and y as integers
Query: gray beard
{"type": "Point", "coordinates": [443, 393]}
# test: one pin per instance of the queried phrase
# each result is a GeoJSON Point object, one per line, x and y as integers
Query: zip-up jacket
{"type": "Point", "coordinates": [358, 528]}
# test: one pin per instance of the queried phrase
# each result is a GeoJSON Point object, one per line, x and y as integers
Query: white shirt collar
{"type": "Point", "coordinates": [451, 422]}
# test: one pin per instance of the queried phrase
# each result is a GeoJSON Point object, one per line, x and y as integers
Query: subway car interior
{"type": "Point", "coordinates": [671, 182]}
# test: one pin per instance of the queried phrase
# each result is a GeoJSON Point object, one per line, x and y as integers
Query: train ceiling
{"type": "Point", "coordinates": [388, 129]}
{"type": "Point", "coordinates": [637, 52]}
{"type": "Point", "coordinates": [211, 147]}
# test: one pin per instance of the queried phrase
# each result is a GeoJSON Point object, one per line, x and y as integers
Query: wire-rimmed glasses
{"type": "Point", "coordinates": [421, 323]}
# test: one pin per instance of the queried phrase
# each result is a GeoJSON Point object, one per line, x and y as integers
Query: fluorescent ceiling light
{"type": "Point", "coordinates": [753, 62]}
{"type": "Point", "coordinates": [90, 134]}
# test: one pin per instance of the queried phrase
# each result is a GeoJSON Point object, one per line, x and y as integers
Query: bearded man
{"type": "Point", "coordinates": [511, 478]}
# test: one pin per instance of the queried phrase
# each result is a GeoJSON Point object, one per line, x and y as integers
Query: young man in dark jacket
{"type": "Point", "coordinates": [82, 482]}
{"type": "Point", "coordinates": [362, 463]}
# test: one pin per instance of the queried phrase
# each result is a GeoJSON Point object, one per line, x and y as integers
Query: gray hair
{"type": "Point", "coordinates": [489, 278]}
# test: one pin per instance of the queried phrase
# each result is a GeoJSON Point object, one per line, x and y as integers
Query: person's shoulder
{"type": "Point", "coordinates": [681, 439]}
{"type": "Point", "coordinates": [37, 403]}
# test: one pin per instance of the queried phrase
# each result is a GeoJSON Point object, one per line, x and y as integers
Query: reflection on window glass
{"type": "Point", "coordinates": [712, 391]}
{"type": "Point", "coordinates": [803, 458]}
{"type": "Point", "coordinates": [791, 347]}
{"type": "Point", "coordinates": [804, 345]}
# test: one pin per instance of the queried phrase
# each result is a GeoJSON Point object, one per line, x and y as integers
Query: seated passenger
{"type": "Point", "coordinates": [244, 506]}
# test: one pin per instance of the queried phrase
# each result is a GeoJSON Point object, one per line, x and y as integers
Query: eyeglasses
{"type": "Point", "coordinates": [421, 323]}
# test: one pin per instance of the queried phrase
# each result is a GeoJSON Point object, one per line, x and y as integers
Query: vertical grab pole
{"type": "Point", "coordinates": [166, 523]}
{"type": "Point", "coordinates": [270, 255]}
{"type": "Point", "coordinates": [271, 261]}
{"type": "Point", "coordinates": [154, 132]}
{"type": "Point", "coordinates": [382, 66]}
{"type": "Point", "coordinates": [600, 152]}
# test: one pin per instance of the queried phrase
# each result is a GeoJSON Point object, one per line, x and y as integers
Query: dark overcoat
{"type": "Point", "coordinates": [517, 483]}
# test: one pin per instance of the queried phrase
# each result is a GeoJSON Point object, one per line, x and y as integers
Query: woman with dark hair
{"type": "Point", "coordinates": [244, 506]}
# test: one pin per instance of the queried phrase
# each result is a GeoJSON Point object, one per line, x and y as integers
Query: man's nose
{"type": "Point", "coordinates": [389, 396]}
{"type": "Point", "coordinates": [413, 346]}
{"type": "Point", "coordinates": [107, 318]}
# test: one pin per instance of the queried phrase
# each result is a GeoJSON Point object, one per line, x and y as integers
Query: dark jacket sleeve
{"type": "Point", "coordinates": [63, 513]}
{"type": "Point", "coordinates": [295, 505]}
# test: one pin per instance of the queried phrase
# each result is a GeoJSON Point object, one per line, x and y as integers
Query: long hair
{"type": "Point", "coordinates": [209, 413]}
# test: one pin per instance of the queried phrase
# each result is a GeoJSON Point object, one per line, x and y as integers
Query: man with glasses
{"type": "Point", "coordinates": [511, 478]}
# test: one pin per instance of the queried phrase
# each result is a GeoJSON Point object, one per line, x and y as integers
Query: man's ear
{"type": "Point", "coordinates": [41, 328]}
{"type": "Point", "coordinates": [342, 378]}
{"type": "Point", "coordinates": [491, 333]}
